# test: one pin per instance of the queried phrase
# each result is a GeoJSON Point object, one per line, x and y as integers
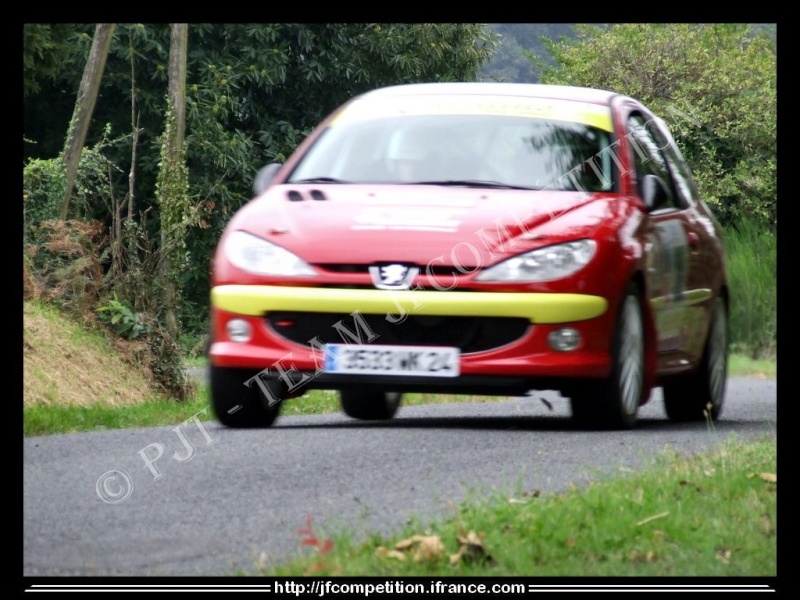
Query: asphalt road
{"type": "Point", "coordinates": [206, 500]}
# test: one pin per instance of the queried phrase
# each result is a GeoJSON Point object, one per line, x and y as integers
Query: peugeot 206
{"type": "Point", "coordinates": [474, 238]}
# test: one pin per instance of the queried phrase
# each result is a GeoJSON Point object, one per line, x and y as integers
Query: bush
{"type": "Point", "coordinates": [122, 319]}
{"type": "Point", "coordinates": [752, 271]}
{"type": "Point", "coordinates": [69, 262]}
{"type": "Point", "coordinates": [66, 264]}
{"type": "Point", "coordinates": [43, 185]}
{"type": "Point", "coordinates": [716, 86]}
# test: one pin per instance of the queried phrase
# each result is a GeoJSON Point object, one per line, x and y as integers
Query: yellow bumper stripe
{"type": "Point", "coordinates": [256, 300]}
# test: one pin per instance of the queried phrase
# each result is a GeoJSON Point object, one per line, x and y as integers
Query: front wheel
{"type": "Point", "coordinates": [242, 400]}
{"type": "Point", "coordinates": [700, 396]}
{"type": "Point", "coordinates": [370, 406]}
{"type": "Point", "coordinates": [613, 403]}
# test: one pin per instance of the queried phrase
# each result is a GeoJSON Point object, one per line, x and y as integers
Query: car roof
{"type": "Point", "coordinates": [531, 90]}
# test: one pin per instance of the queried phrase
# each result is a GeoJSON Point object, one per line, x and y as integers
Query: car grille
{"type": "Point", "coordinates": [435, 270]}
{"type": "Point", "coordinates": [469, 334]}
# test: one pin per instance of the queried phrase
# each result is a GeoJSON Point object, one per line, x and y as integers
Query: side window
{"type": "Point", "coordinates": [648, 159]}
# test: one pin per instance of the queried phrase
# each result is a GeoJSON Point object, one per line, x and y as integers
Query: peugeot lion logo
{"type": "Point", "coordinates": [393, 277]}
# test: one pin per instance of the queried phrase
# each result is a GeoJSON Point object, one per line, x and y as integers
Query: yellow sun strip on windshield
{"type": "Point", "coordinates": [258, 300]}
{"type": "Point", "coordinates": [586, 113]}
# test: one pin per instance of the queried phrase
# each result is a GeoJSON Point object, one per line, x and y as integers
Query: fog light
{"type": "Point", "coordinates": [564, 340]}
{"type": "Point", "coordinates": [239, 330]}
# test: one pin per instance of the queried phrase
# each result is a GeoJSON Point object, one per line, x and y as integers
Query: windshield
{"type": "Point", "coordinates": [462, 149]}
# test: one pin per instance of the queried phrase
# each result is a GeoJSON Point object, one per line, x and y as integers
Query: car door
{"type": "Point", "coordinates": [705, 269]}
{"type": "Point", "coordinates": [668, 246]}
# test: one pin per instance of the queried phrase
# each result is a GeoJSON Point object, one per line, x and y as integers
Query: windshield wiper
{"type": "Point", "coordinates": [480, 183]}
{"type": "Point", "coordinates": [319, 180]}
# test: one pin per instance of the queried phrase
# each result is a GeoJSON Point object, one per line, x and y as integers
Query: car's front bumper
{"type": "Point", "coordinates": [516, 363]}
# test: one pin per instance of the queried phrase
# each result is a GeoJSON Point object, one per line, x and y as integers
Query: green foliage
{"type": "Point", "coordinates": [167, 365]}
{"type": "Point", "coordinates": [164, 356]}
{"type": "Point", "coordinates": [254, 91]}
{"type": "Point", "coordinates": [753, 272]}
{"type": "Point", "coordinates": [43, 185]}
{"type": "Point", "coordinates": [122, 319]}
{"type": "Point", "coordinates": [46, 48]}
{"type": "Point", "coordinates": [714, 84]}
{"type": "Point", "coordinates": [70, 261]}
{"type": "Point", "coordinates": [175, 207]}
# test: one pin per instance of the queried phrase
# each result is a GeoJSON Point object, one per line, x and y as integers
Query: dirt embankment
{"type": "Point", "coordinates": [68, 363]}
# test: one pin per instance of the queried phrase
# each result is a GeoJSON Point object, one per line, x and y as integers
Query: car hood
{"type": "Point", "coordinates": [367, 224]}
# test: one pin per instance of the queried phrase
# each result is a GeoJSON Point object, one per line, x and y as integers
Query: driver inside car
{"type": "Point", "coordinates": [412, 156]}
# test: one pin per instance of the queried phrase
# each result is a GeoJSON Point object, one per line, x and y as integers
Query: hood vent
{"type": "Point", "coordinates": [294, 196]}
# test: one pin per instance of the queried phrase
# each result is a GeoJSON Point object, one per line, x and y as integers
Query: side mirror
{"type": "Point", "coordinates": [654, 192]}
{"type": "Point", "coordinates": [264, 177]}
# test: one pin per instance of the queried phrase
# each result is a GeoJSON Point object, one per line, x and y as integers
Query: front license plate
{"type": "Point", "coordinates": [372, 359]}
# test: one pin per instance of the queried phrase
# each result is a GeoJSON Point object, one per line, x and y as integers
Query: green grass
{"type": "Point", "coordinates": [155, 412]}
{"type": "Point", "coordinates": [196, 361]}
{"type": "Point", "coordinates": [744, 366]}
{"type": "Point", "coordinates": [752, 273]}
{"type": "Point", "coordinates": [711, 514]}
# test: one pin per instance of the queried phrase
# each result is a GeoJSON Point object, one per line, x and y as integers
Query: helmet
{"type": "Point", "coordinates": [408, 155]}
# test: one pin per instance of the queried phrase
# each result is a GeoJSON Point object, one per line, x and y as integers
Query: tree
{"type": "Point", "coordinates": [84, 106]}
{"type": "Point", "coordinates": [253, 91]}
{"type": "Point", "coordinates": [715, 85]}
{"type": "Point", "coordinates": [46, 49]}
{"type": "Point", "coordinates": [172, 187]}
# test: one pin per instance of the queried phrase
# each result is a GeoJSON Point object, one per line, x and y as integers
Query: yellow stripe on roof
{"type": "Point", "coordinates": [573, 111]}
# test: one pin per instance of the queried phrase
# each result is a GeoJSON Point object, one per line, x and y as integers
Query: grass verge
{"type": "Point", "coordinates": [712, 514]}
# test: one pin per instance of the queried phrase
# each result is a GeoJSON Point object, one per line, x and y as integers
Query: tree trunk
{"type": "Point", "coordinates": [84, 106]}
{"type": "Point", "coordinates": [177, 84]}
{"type": "Point", "coordinates": [172, 190]}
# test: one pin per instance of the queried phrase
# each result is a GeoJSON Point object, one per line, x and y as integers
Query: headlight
{"type": "Point", "coordinates": [254, 255]}
{"type": "Point", "coordinates": [544, 264]}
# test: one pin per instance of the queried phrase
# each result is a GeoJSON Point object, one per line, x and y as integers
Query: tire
{"type": "Point", "coordinates": [613, 403]}
{"type": "Point", "coordinates": [239, 404]}
{"type": "Point", "coordinates": [370, 406]}
{"type": "Point", "coordinates": [700, 396]}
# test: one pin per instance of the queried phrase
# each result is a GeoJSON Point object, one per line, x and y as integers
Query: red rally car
{"type": "Point", "coordinates": [475, 238]}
